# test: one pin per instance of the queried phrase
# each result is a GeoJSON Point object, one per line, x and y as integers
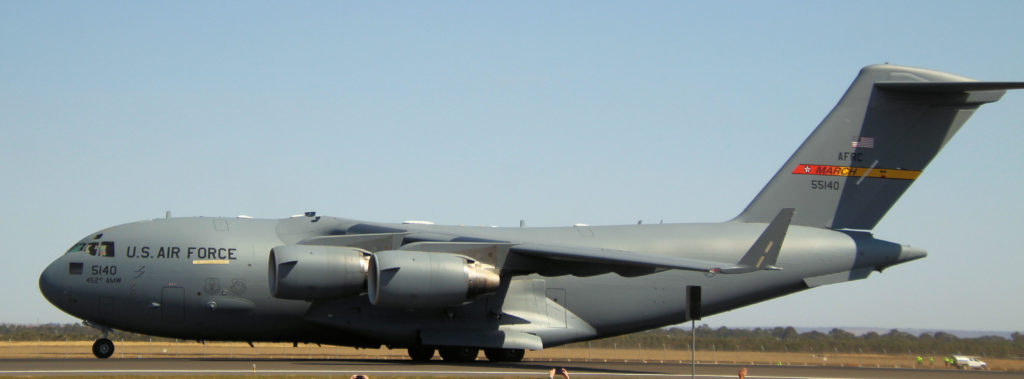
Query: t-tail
{"type": "Point", "coordinates": [889, 125]}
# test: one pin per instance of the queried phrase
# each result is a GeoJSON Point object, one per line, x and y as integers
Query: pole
{"type": "Point", "coordinates": [693, 313]}
{"type": "Point", "coordinates": [693, 348]}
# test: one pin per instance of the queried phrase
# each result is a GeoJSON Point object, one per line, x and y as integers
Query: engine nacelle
{"type": "Point", "coordinates": [307, 272]}
{"type": "Point", "coordinates": [416, 279]}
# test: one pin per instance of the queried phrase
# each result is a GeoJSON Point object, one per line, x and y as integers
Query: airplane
{"type": "Point", "coordinates": [459, 289]}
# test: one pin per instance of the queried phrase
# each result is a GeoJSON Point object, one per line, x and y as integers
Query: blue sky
{"type": "Point", "coordinates": [485, 113]}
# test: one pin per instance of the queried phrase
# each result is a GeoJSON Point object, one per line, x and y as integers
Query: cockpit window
{"type": "Point", "coordinates": [103, 249]}
{"type": "Point", "coordinates": [106, 249]}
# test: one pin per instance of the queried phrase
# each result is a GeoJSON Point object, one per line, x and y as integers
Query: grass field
{"type": "Point", "coordinates": [134, 350]}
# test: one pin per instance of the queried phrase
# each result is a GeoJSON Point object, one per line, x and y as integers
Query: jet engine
{"type": "Point", "coordinates": [308, 272]}
{"type": "Point", "coordinates": [416, 279]}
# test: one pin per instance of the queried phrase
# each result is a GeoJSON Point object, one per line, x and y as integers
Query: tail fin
{"type": "Point", "coordinates": [887, 127]}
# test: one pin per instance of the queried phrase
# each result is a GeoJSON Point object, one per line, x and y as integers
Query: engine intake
{"type": "Point", "coordinates": [307, 272]}
{"type": "Point", "coordinates": [416, 279]}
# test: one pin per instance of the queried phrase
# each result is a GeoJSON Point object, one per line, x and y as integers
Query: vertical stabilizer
{"type": "Point", "coordinates": [889, 125]}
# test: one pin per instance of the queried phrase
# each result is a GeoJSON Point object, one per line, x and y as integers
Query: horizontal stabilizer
{"type": "Point", "coordinates": [946, 87]}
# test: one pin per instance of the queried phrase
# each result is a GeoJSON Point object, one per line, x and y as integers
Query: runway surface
{"type": "Point", "coordinates": [386, 368]}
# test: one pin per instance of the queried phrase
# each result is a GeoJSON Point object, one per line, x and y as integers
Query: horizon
{"type": "Point", "coordinates": [855, 330]}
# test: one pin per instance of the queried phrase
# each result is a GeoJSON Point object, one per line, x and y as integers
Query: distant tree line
{"type": "Point", "coordinates": [835, 341]}
{"type": "Point", "coordinates": [722, 339]}
{"type": "Point", "coordinates": [62, 332]}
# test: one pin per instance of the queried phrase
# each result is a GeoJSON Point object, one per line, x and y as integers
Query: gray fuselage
{"type": "Point", "coordinates": [207, 279]}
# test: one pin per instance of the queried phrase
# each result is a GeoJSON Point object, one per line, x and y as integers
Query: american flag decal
{"type": "Point", "coordinates": [864, 143]}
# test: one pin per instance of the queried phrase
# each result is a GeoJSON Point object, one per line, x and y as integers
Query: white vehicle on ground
{"type": "Point", "coordinates": [969, 363]}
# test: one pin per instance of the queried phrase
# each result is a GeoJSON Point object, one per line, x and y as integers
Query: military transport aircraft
{"type": "Point", "coordinates": [459, 289]}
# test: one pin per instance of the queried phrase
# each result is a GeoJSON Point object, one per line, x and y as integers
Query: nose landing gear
{"type": "Point", "coordinates": [103, 348]}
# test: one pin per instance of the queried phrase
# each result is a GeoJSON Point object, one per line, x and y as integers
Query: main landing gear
{"type": "Point", "coordinates": [504, 355]}
{"type": "Point", "coordinates": [458, 354]}
{"type": "Point", "coordinates": [421, 353]}
{"type": "Point", "coordinates": [465, 354]}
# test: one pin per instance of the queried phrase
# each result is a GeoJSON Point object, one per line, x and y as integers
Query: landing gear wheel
{"type": "Point", "coordinates": [421, 353]}
{"type": "Point", "coordinates": [459, 354]}
{"type": "Point", "coordinates": [505, 355]}
{"type": "Point", "coordinates": [103, 348]}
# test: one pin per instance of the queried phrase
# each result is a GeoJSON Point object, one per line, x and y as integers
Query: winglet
{"type": "Point", "coordinates": [765, 251]}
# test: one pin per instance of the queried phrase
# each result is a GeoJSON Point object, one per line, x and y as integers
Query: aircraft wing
{"type": "Point", "coordinates": [614, 259]}
{"type": "Point", "coordinates": [557, 260]}
{"type": "Point", "coordinates": [584, 261]}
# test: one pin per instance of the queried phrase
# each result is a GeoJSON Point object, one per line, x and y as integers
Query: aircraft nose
{"type": "Point", "coordinates": [49, 283]}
